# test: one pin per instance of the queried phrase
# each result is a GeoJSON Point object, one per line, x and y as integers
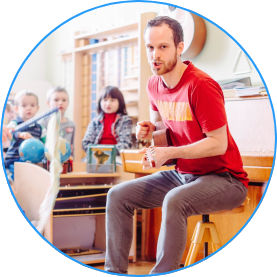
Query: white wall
{"type": "Point", "coordinates": [44, 67]}
{"type": "Point", "coordinates": [32, 76]}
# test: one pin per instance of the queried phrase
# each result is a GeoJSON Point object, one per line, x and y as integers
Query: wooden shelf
{"type": "Point", "coordinates": [131, 103]}
{"type": "Point", "coordinates": [86, 187]}
{"type": "Point", "coordinates": [134, 66]}
{"type": "Point", "coordinates": [117, 40]}
{"type": "Point", "coordinates": [99, 34]}
{"type": "Point", "coordinates": [245, 98]}
{"type": "Point", "coordinates": [130, 89]}
{"type": "Point", "coordinates": [63, 54]}
{"type": "Point", "coordinates": [87, 175]}
{"type": "Point", "coordinates": [91, 259]}
{"type": "Point", "coordinates": [131, 77]}
{"type": "Point", "coordinates": [106, 43]}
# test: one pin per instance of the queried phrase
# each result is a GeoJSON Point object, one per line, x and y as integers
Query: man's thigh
{"type": "Point", "coordinates": [145, 192]}
{"type": "Point", "coordinates": [207, 194]}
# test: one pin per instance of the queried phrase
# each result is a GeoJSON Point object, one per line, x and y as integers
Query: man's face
{"type": "Point", "coordinates": [161, 51]}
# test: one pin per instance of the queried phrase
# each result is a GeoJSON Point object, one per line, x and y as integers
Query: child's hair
{"type": "Point", "coordinates": [112, 92]}
{"type": "Point", "coordinates": [55, 89]}
{"type": "Point", "coordinates": [22, 93]}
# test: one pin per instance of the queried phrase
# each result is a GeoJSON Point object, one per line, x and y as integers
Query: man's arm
{"type": "Point", "coordinates": [214, 144]}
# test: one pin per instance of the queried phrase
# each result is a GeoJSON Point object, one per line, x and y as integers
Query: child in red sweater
{"type": "Point", "coordinates": [112, 125]}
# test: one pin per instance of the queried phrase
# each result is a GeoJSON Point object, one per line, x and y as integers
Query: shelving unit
{"type": "Point", "coordinates": [78, 217]}
{"type": "Point", "coordinates": [117, 59]}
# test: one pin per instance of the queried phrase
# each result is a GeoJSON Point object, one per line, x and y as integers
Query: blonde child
{"type": "Point", "coordinates": [58, 97]}
{"type": "Point", "coordinates": [26, 105]}
{"type": "Point", "coordinates": [112, 125]}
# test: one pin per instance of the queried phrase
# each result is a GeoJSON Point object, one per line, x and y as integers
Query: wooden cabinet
{"type": "Point", "coordinates": [78, 217]}
{"type": "Point", "coordinates": [114, 57]}
{"type": "Point", "coordinates": [78, 221]}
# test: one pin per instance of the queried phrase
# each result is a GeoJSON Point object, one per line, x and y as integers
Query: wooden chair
{"type": "Point", "coordinates": [31, 183]}
{"type": "Point", "coordinates": [205, 232]}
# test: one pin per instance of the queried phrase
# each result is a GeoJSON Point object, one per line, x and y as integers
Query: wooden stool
{"type": "Point", "coordinates": [205, 231]}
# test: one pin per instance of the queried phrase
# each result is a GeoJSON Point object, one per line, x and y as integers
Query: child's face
{"type": "Point", "coordinates": [59, 100]}
{"type": "Point", "coordinates": [109, 105]}
{"type": "Point", "coordinates": [28, 107]}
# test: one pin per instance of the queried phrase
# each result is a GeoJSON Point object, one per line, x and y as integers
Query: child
{"type": "Point", "coordinates": [7, 119]}
{"type": "Point", "coordinates": [26, 105]}
{"type": "Point", "coordinates": [58, 97]}
{"type": "Point", "coordinates": [112, 125]}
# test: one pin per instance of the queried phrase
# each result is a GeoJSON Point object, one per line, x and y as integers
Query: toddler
{"type": "Point", "coordinates": [26, 105]}
{"type": "Point", "coordinates": [58, 97]}
{"type": "Point", "coordinates": [112, 125]}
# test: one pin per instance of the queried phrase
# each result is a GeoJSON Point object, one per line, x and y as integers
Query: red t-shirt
{"type": "Point", "coordinates": [108, 137]}
{"type": "Point", "coordinates": [192, 108]}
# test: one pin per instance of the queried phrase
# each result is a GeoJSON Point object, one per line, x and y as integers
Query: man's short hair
{"type": "Point", "coordinates": [174, 25]}
{"type": "Point", "coordinates": [55, 89]}
{"type": "Point", "coordinates": [22, 93]}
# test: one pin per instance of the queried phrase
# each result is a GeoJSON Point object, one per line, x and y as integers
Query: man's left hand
{"type": "Point", "coordinates": [161, 155]}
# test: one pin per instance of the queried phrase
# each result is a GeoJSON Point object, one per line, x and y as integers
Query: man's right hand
{"type": "Point", "coordinates": [145, 129]}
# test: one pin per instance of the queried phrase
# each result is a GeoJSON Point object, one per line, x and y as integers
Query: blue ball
{"type": "Point", "coordinates": [31, 150]}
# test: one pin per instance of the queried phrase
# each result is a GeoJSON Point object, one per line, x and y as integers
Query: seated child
{"type": "Point", "coordinates": [58, 97]}
{"type": "Point", "coordinates": [26, 105]}
{"type": "Point", "coordinates": [112, 125]}
{"type": "Point", "coordinates": [7, 119]}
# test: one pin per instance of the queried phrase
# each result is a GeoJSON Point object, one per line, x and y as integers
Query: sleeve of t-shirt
{"type": "Point", "coordinates": [149, 89]}
{"type": "Point", "coordinates": [208, 104]}
{"type": "Point", "coordinates": [13, 124]}
{"type": "Point", "coordinates": [43, 134]}
{"type": "Point", "coordinates": [72, 139]}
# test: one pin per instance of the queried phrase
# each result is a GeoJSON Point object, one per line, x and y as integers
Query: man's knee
{"type": "Point", "coordinates": [174, 204]}
{"type": "Point", "coordinates": [171, 201]}
{"type": "Point", "coordinates": [114, 194]}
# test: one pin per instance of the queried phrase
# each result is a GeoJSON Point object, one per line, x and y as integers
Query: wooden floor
{"type": "Point", "coordinates": [138, 268]}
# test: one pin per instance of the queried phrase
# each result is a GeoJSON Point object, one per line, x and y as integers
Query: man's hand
{"type": "Point", "coordinates": [6, 134]}
{"type": "Point", "coordinates": [25, 135]}
{"type": "Point", "coordinates": [161, 155]}
{"type": "Point", "coordinates": [145, 129]}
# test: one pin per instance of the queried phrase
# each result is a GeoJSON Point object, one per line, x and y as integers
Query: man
{"type": "Point", "coordinates": [209, 175]}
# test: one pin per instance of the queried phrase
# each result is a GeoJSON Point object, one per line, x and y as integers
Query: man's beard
{"type": "Point", "coordinates": [165, 67]}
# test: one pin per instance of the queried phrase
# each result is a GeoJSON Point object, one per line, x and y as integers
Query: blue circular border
{"type": "Point", "coordinates": [161, 3]}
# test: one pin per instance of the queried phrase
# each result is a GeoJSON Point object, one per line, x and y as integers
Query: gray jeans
{"type": "Point", "coordinates": [181, 196]}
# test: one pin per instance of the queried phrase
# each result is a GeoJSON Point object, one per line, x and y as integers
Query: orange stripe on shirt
{"type": "Point", "coordinates": [175, 111]}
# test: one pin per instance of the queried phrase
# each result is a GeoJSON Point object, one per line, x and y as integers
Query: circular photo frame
{"type": "Point", "coordinates": [111, 55]}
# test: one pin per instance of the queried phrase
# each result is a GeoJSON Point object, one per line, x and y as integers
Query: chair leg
{"type": "Point", "coordinates": [215, 246]}
{"type": "Point", "coordinates": [192, 254]}
{"type": "Point", "coordinates": [200, 236]}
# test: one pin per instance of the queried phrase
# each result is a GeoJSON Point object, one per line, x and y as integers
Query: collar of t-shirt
{"type": "Point", "coordinates": [180, 83]}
